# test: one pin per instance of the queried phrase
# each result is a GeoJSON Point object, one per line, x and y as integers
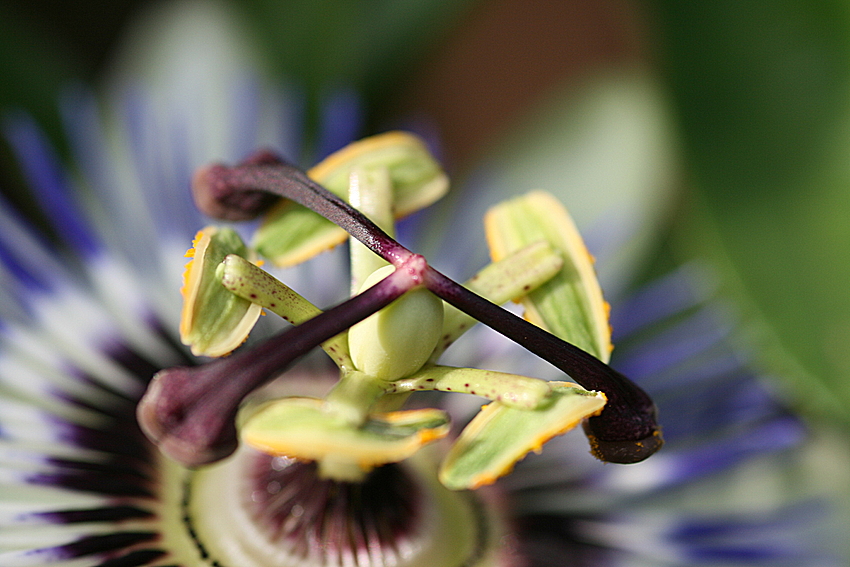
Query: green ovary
{"type": "Point", "coordinates": [397, 340]}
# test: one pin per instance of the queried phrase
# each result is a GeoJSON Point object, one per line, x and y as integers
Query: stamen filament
{"type": "Point", "coordinates": [510, 389]}
{"type": "Point", "coordinates": [190, 411]}
{"type": "Point", "coordinates": [369, 192]}
{"type": "Point", "coordinates": [254, 284]}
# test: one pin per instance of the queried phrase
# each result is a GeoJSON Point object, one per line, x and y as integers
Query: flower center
{"type": "Point", "coordinates": [373, 522]}
{"type": "Point", "coordinates": [257, 510]}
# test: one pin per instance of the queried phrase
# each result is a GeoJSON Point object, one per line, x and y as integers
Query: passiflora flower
{"type": "Point", "coordinates": [377, 454]}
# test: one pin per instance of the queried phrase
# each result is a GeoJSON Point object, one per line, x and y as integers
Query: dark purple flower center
{"type": "Point", "coordinates": [332, 522]}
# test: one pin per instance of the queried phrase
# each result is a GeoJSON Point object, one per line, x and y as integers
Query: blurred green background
{"type": "Point", "coordinates": [759, 92]}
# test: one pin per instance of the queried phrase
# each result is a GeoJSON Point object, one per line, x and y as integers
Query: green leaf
{"type": "Point", "coordinates": [570, 304]}
{"type": "Point", "coordinates": [303, 428]}
{"type": "Point", "coordinates": [291, 234]}
{"type": "Point", "coordinates": [36, 64]}
{"type": "Point", "coordinates": [499, 435]}
{"type": "Point", "coordinates": [369, 45]}
{"type": "Point", "coordinates": [761, 89]}
{"type": "Point", "coordinates": [214, 321]}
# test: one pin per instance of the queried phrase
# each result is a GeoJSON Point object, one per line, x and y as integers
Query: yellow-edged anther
{"type": "Point", "coordinates": [302, 428]}
{"type": "Point", "coordinates": [213, 321]}
{"type": "Point", "coordinates": [499, 436]}
{"type": "Point", "coordinates": [570, 305]}
{"type": "Point", "coordinates": [289, 234]}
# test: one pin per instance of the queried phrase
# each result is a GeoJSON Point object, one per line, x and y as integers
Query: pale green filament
{"type": "Point", "coordinates": [250, 282]}
{"type": "Point", "coordinates": [511, 389]}
{"type": "Point", "coordinates": [370, 192]}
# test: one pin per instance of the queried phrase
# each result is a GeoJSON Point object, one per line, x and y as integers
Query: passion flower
{"type": "Point", "coordinates": [84, 329]}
